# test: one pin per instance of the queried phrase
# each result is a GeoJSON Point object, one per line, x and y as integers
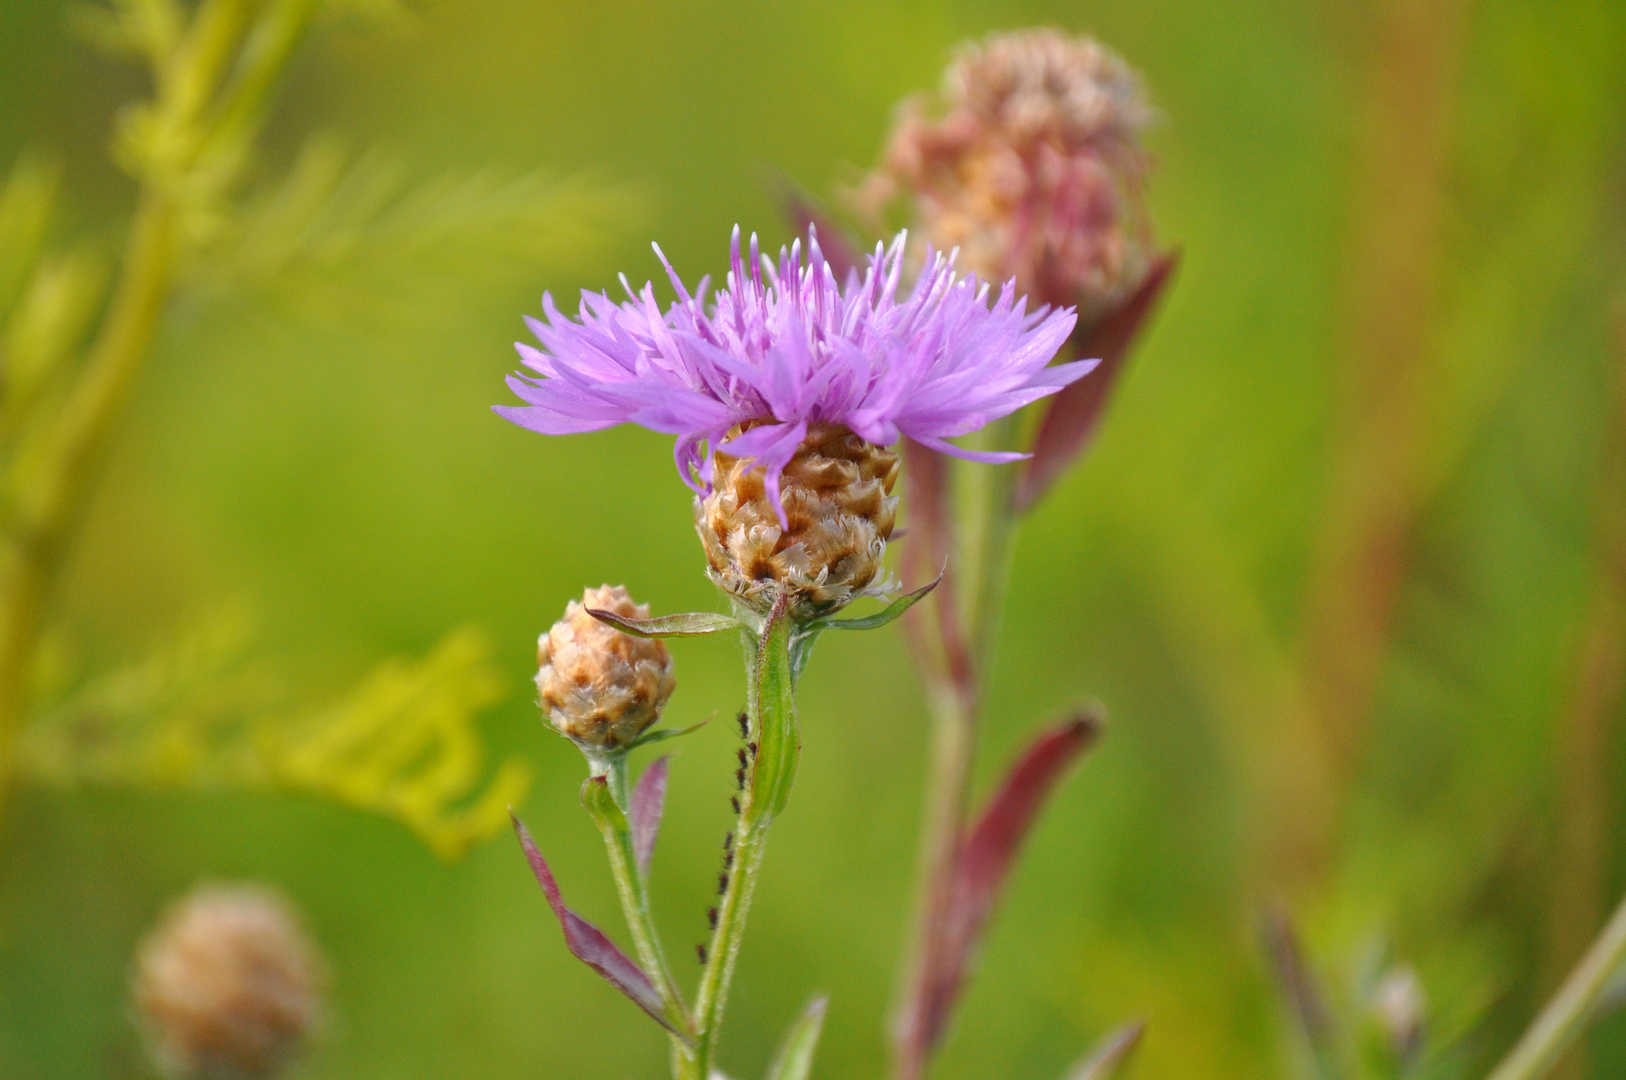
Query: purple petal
{"type": "Point", "coordinates": [648, 801]}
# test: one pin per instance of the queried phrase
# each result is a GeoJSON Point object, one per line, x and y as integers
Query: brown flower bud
{"type": "Point", "coordinates": [838, 503]}
{"type": "Point", "coordinates": [227, 987]}
{"type": "Point", "coordinates": [1033, 168]}
{"type": "Point", "coordinates": [599, 687]}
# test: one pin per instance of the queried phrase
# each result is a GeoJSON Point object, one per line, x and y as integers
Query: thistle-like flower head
{"type": "Point", "coordinates": [601, 688]}
{"type": "Point", "coordinates": [228, 987]}
{"type": "Point", "coordinates": [785, 349]}
{"type": "Point", "coordinates": [1029, 162]}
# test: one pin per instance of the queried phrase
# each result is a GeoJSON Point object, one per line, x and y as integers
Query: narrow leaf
{"type": "Point", "coordinates": [778, 743]}
{"type": "Point", "coordinates": [1302, 994]}
{"type": "Point", "coordinates": [886, 614]}
{"type": "Point", "coordinates": [692, 624]}
{"type": "Point", "coordinates": [985, 860]}
{"type": "Point", "coordinates": [648, 801]}
{"type": "Point", "coordinates": [1107, 1060]}
{"type": "Point", "coordinates": [662, 734]}
{"type": "Point", "coordinates": [1073, 415]}
{"type": "Point", "coordinates": [588, 944]}
{"type": "Point", "coordinates": [794, 1061]}
{"type": "Point", "coordinates": [804, 212]}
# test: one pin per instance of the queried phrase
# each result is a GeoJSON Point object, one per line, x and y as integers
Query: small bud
{"type": "Point", "coordinates": [1399, 1003]}
{"type": "Point", "coordinates": [711, 918]}
{"type": "Point", "coordinates": [599, 687]}
{"type": "Point", "coordinates": [1032, 167]}
{"type": "Point", "coordinates": [745, 725]}
{"type": "Point", "coordinates": [227, 987]}
{"type": "Point", "coordinates": [700, 951]}
{"type": "Point", "coordinates": [735, 803]}
{"type": "Point", "coordinates": [839, 513]}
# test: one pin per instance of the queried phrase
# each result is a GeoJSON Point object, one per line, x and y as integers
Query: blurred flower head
{"type": "Point", "coordinates": [1030, 163]}
{"type": "Point", "coordinates": [599, 687]}
{"type": "Point", "coordinates": [228, 987]}
{"type": "Point", "coordinates": [784, 349]}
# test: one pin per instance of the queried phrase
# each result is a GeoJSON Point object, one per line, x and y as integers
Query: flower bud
{"type": "Point", "coordinates": [227, 987]}
{"type": "Point", "coordinates": [1399, 1004]}
{"type": "Point", "coordinates": [839, 510]}
{"type": "Point", "coordinates": [1033, 168]}
{"type": "Point", "coordinates": [599, 687]}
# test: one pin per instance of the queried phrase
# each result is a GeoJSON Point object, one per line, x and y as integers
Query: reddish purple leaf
{"type": "Point", "coordinates": [588, 944]}
{"type": "Point", "coordinates": [1073, 415]}
{"type": "Point", "coordinates": [648, 800]}
{"type": "Point", "coordinates": [802, 210]}
{"type": "Point", "coordinates": [985, 860]}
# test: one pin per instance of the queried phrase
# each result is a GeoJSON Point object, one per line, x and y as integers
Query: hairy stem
{"type": "Point", "coordinates": [633, 890]}
{"type": "Point", "coordinates": [1571, 1009]}
{"type": "Point", "coordinates": [771, 719]}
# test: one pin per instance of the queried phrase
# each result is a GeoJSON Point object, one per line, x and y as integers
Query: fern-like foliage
{"type": "Point", "coordinates": [198, 714]}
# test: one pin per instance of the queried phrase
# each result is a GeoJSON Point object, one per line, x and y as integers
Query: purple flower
{"type": "Point", "coordinates": [779, 349]}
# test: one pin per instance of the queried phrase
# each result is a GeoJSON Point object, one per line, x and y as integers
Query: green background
{"type": "Point", "coordinates": [346, 477]}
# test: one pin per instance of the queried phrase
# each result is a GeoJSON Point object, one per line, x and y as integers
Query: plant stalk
{"type": "Point", "coordinates": [633, 890]}
{"type": "Point", "coordinates": [1571, 1009]}
{"type": "Point", "coordinates": [982, 551]}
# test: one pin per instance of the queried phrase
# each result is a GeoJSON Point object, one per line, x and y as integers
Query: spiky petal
{"type": "Point", "coordinates": [784, 348]}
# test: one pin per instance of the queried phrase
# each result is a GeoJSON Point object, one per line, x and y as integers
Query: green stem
{"type": "Point", "coordinates": [51, 482]}
{"type": "Point", "coordinates": [633, 889]}
{"type": "Point", "coordinates": [771, 714]}
{"type": "Point", "coordinates": [1571, 1009]}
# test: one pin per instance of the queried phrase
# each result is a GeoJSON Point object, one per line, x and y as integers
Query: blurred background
{"type": "Point", "coordinates": [1353, 528]}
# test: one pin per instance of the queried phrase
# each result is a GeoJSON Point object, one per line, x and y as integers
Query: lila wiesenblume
{"type": "Point", "coordinates": [787, 364]}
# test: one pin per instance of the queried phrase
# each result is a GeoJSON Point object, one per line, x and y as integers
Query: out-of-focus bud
{"type": "Point", "coordinates": [1030, 163]}
{"type": "Point", "coordinates": [1399, 1003]}
{"type": "Point", "coordinates": [599, 687]}
{"type": "Point", "coordinates": [839, 508]}
{"type": "Point", "coordinates": [228, 987]}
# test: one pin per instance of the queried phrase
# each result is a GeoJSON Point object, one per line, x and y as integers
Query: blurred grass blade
{"type": "Point", "coordinates": [984, 863]}
{"type": "Point", "coordinates": [929, 546]}
{"type": "Point", "coordinates": [588, 944]}
{"type": "Point", "coordinates": [692, 624]}
{"type": "Point", "coordinates": [1072, 416]}
{"type": "Point", "coordinates": [648, 801]}
{"type": "Point", "coordinates": [794, 1061]}
{"type": "Point", "coordinates": [1302, 995]}
{"type": "Point", "coordinates": [1111, 1054]}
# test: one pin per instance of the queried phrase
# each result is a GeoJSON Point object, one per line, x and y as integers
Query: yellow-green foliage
{"type": "Point", "coordinates": [197, 714]}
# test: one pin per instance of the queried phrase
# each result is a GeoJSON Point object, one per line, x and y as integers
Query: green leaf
{"type": "Point", "coordinates": [598, 801]}
{"type": "Point", "coordinates": [662, 734]}
{"type": "Point", "coordinates": [885, 615]}
{"type": "Point", "coordinates": [778, 743]}
{"type": "Point", "coordinates": [795, 1058]}
{"type": "Point", "coordinates": [693, 624]}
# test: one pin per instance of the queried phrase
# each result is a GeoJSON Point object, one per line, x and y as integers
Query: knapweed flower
{"type": "Point", "coordinates": [1030, 163]}
{"type": "Point", "coordinates": [228, 987]}
{"type": "Point", "coordinates": [782, 392]}
{"type": "Point", "coordinates": [599, 687]}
